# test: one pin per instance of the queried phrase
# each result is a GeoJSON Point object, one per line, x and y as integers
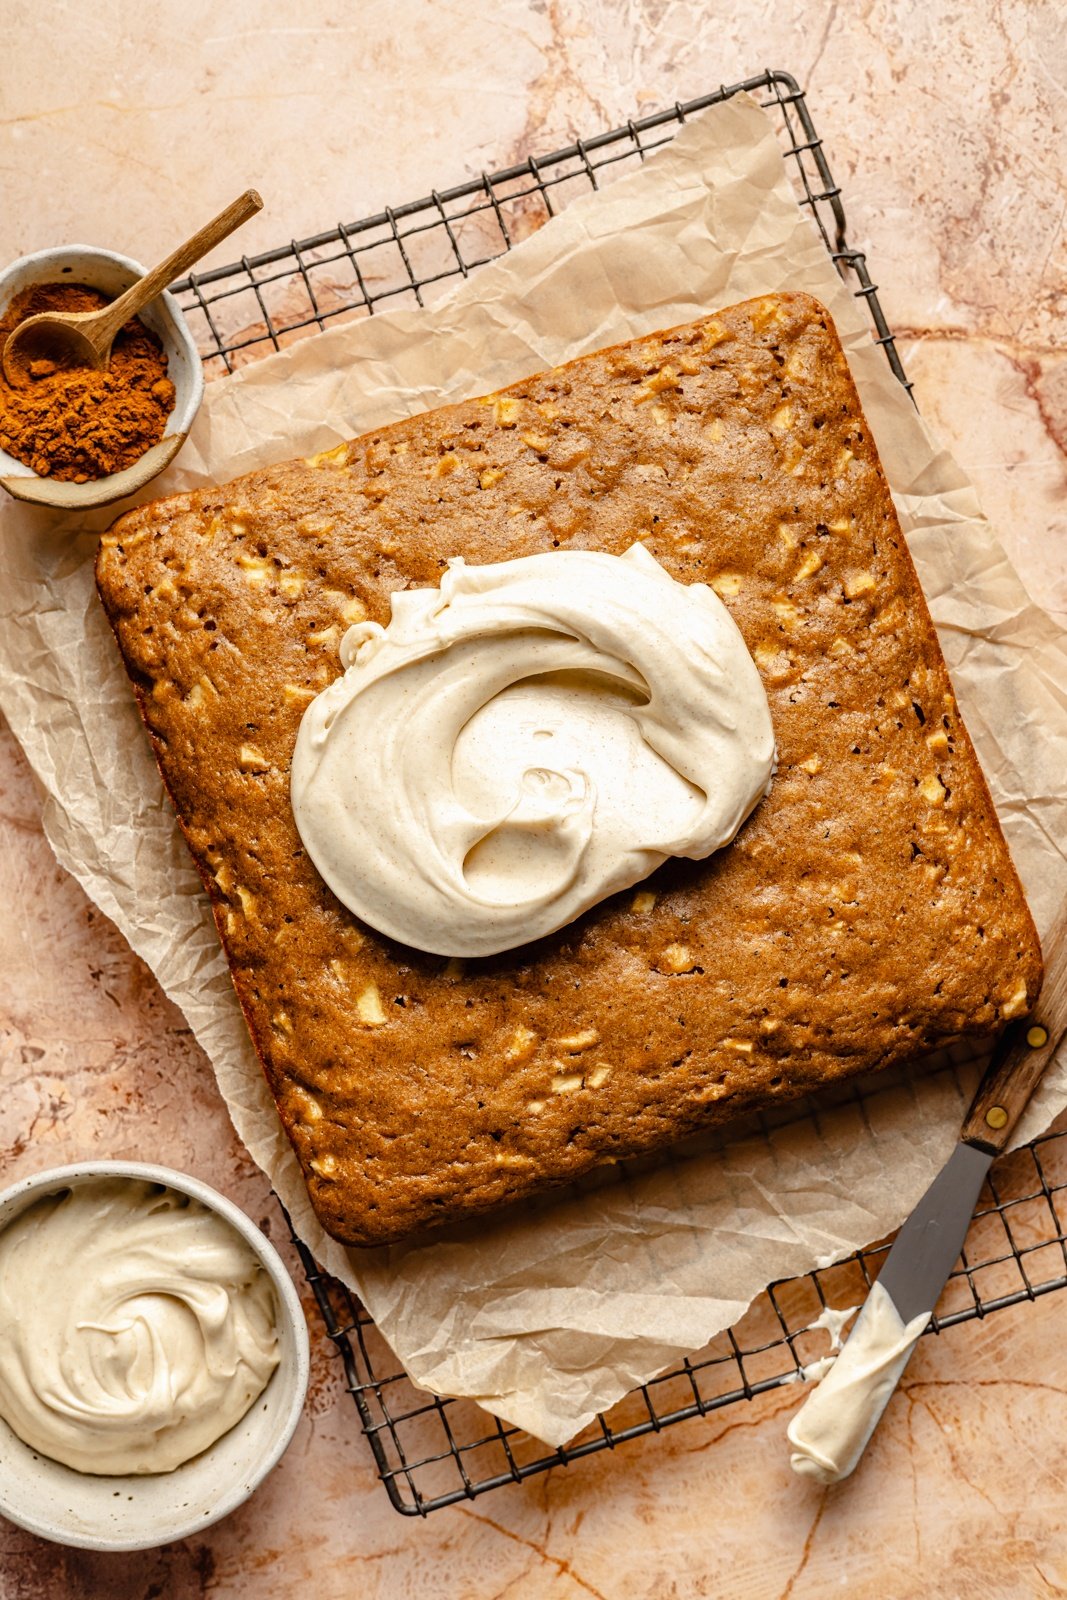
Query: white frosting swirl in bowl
{"type": "Point", "coordinates": [136, 1327]}
{"type": "Point", "coordinates": [525, 740]}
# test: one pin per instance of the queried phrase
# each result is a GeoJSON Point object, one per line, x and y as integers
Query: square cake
{"type": "Point", "coordinates": [868, 910]}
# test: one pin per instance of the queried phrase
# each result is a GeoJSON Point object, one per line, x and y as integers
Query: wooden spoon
{"type": "Point", "coordinates": [84, 338]}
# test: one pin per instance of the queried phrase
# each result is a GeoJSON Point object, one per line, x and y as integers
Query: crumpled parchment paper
{"type": "Point", "coordinates": [549, 1315]}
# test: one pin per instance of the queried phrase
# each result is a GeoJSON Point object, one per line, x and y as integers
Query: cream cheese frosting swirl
{"type": "Point", "coordinates": [136, 1327]}
{"type": "Point", "coordinates": [524, 741]}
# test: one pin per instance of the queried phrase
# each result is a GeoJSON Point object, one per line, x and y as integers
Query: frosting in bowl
{"type": "Point", "coordinates": [525, 740]}
{"type": "Point", "coordinates": [136, 1327]}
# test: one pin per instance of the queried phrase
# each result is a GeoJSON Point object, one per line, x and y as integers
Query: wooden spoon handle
{"type": "Point", "coordinates": [153, 283]}
{"type": "Point", "coordinates": [1023, 1052]}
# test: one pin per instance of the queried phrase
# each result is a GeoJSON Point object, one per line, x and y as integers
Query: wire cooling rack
{"type": "Point", "coordinates": [430, 1452]}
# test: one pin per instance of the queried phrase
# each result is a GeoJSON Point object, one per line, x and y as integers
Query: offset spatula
{"type": "Point", "coordinates": [830, 1431]}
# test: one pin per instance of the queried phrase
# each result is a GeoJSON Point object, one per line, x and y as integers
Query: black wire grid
{"type": "Point", "coordinates": [431, 1452]}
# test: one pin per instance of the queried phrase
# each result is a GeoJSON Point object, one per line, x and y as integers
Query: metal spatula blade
{"type": "Point", "coordinates": [928, 1245]}
{"type": "Point", "coordinates": [830, 1432]}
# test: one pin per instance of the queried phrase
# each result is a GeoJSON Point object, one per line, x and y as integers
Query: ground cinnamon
{"type": "Point", "coordinates": [75, 423]}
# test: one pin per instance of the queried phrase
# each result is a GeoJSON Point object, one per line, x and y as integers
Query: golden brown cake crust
{"type": "Point", "coordinates": [868, 911]}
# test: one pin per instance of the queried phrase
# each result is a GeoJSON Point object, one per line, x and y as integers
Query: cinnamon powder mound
{"type": "Point", "coordinates": [75, 423]}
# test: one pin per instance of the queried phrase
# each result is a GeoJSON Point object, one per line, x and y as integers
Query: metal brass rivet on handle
{"type": "Point", "coordinates": [996, 1116]}
{"type": "Point", "coordinates": [1036, 1036]}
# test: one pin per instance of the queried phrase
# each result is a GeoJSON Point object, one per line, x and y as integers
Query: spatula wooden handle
{"type": "Point", "coordinates": [1023, 1052]}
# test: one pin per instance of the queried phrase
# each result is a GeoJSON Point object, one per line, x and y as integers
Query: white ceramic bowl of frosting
{"type": "Point", "coordinates": [138, 1512]}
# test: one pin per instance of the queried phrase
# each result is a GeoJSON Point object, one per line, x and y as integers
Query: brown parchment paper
{"type": "Point", "coordinates": [547, 1316]}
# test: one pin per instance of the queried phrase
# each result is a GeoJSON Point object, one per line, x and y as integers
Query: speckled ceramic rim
{"type": "Point", "coordinates": [290, 1379]}
{"type": "Point", "coordinates": [111, 272]}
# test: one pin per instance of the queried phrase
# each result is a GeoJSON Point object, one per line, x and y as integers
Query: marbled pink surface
{"type": "Point", "coordinates": [945, 127]}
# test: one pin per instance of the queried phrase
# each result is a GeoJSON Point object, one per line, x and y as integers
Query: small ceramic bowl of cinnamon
{"type": "Point", "coordinates": [78, 439]}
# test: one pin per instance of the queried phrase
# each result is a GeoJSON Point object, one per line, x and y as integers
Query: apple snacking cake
{"type": "Point", "coordinates": [866, 912]}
